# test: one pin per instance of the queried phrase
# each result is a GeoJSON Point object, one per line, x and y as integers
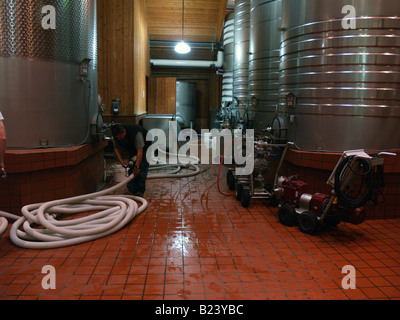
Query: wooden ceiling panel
{"type": "Point", "coordinates": [204, 20]}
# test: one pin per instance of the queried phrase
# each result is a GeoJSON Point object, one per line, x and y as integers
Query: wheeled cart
{"type": "Point", "coordinates": [356, 180]}
{"type": "Point", "coordinates": [252, 186]}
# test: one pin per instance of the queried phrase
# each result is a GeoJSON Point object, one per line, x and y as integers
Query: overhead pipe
{"type": "Point", "coordinates": [190, 63]}
{"type": "Point", "coordinates": [171, 44]}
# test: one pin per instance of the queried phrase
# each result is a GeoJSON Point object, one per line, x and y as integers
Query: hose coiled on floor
{"type": "Point", "coordinates": [3, 224]}
{"type": "Point", "coordinates": [38, 228]}
{"type": "Point", "coordinates": [175, 173]}
{"type": "Point", "coordinates": [162, 165]}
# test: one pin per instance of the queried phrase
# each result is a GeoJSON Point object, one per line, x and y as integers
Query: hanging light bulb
{"type": "Point", "coordinates": [182, 47]}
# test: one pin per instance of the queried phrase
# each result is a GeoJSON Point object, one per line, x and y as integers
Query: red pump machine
{"type": "Point", "coordinates": [356, 180]}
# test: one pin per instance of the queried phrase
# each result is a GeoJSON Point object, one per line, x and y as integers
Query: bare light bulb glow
{"type": "Point", "coordinates": [182, 48]}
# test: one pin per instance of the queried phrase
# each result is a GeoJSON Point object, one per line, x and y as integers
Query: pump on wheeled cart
{"type": "Point", "coordinates": [357, 179]}
{"type": "Point", "coordinates": [253, 186]}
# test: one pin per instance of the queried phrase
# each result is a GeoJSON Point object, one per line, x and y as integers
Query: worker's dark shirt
{"type": "Point", "coordinates": [134, 140]}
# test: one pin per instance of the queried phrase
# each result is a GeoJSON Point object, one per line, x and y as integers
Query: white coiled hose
{"type": "Point", "coordinates": [175, 173]}
{"type": "Point", "coordinates": [161, 165]}
{"type": "Point", "coordinates": [3, 224]}
{"type": "Point", "coordinates": [37, 228]}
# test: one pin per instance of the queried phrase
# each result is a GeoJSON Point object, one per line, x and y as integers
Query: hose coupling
{"type": "Point", "coordinates": [132, 161]}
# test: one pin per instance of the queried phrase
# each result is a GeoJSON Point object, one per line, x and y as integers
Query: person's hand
{"type": "Point", "coordinates": [3, 173]}
{"type": "Point", "coordinates": [125, 165]}
{"type": "Point", "coordinates": [136, 171]}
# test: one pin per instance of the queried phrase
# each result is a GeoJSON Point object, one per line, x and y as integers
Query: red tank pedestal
{"type": "Point", "coordinates": [41, 175]}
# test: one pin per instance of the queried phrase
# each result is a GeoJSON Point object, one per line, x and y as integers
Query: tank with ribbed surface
{"type": "Point", "coordinates": [42, 96]}
{"type": "Point", "coordinates": [345, 82]}
{"type": "Point", "coordinates": [265, 41]}
{"type": "Point", "coordinates": [241, 58]}
{"type": "Point", "coordinates": [229, 43]}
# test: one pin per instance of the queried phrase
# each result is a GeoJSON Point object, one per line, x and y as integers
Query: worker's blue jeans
{"type": "Point", "coordinates": [138, 184]}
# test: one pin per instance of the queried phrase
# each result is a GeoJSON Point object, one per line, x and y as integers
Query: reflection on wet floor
{"type": "Point", "coordinates": [194, 243]}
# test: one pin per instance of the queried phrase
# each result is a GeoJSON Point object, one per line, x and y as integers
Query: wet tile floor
{"type": "Point", "coordinates": [193, 243]}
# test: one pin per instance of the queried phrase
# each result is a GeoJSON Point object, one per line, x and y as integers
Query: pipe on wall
{"type": "Point", "coordinates": [190, 63]}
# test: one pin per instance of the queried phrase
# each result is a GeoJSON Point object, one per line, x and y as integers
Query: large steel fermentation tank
{"type": "Point", "coordinates": [241, 57]}
{"type": "Point", "coordinates": [229, 44]}
{"type": "Point", "coordinates": [186, 103]}
{"type": "Point", "coordinates": [345, 82]}
{"type": "Point", "coordinates": [43, 99]}
{"type": "Point", "coordinates": [265, 41]}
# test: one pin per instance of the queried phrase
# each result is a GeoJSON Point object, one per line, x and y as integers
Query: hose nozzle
{"type": "Point", "coordinates": [132, 161]}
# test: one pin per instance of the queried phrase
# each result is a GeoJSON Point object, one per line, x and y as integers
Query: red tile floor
{"type": "Point", "coordinates": [194, 243]}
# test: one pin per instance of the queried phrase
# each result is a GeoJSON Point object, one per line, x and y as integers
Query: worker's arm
{"type": "Point", "coordinates": [139, 158]}
{"type": "Point", "coordinates": [139, 146]}
{"type": "Point", "coordinates": [119, 157]}
{"type": "Point", "coordinates": [3, 143]}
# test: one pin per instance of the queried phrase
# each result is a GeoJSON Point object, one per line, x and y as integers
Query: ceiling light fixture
{"type": "Point", "coordinates": [182, 47]}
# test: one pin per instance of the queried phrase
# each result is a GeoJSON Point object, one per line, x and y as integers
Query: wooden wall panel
{"type": "Point", "coordinates": [203, 99]}
{"type": "Point", "coordinates": [123, 55]}
{"type": "Point", "coordinates": [141, 56]}
{"type": "Point", "coordinates": [162, 96]}
{"type": "Point", "coordinates": [204, 20]}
